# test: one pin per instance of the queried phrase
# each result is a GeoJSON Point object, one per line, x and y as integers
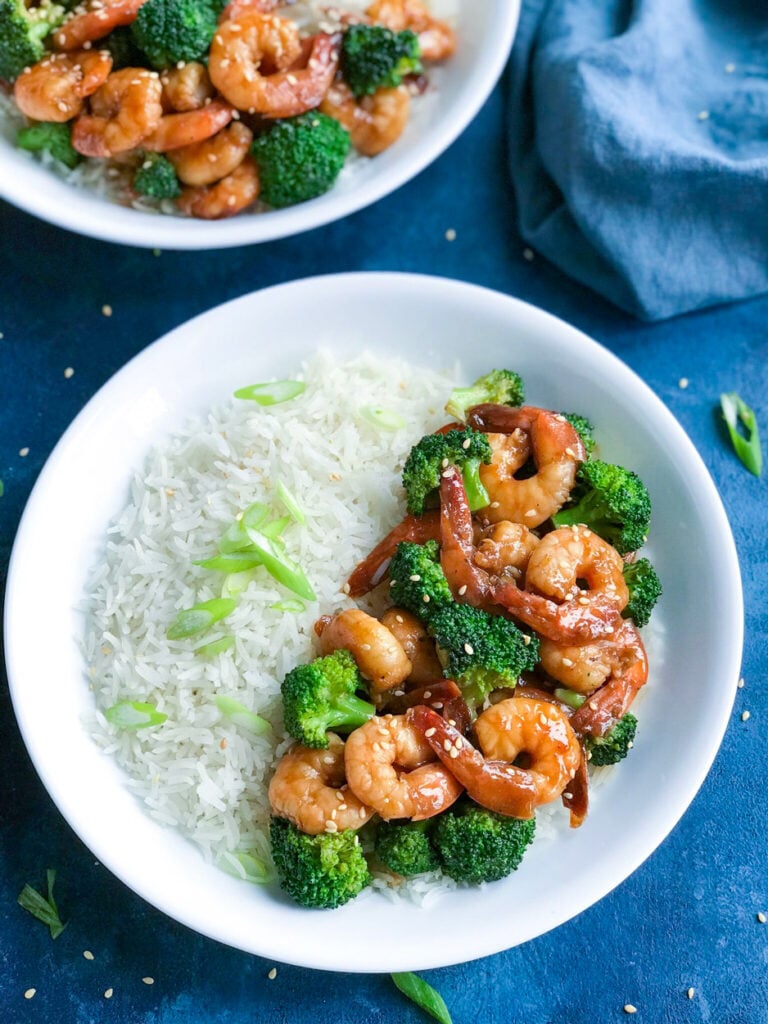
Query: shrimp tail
{"type": "Point", "coordinates": [603, 709]}
{"type": "Point", "coordinates": [492, 784]}
{"type": "Point", "coordinates": [372, 570]}
{"type": "Point", "coordinates": [576, 793]}
{"type": "Point", "coordinates": [457, 552]}
{"type": "Point", "coordinates": [570, 622]}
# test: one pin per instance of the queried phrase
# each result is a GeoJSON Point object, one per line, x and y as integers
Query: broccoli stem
{"type": "Point", "coordinates": [348, 711]}
{"type": "Point", "coordinates": [477, 496]}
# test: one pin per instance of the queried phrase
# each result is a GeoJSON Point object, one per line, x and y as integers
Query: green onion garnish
{"type": "Point", "coordinates": [382, 419]}
{"type": "Point", "coordinates": [569, 697]}
{"type": "Point", "coordinates": [235, 538]}
{"type": "Point", "coordinates": [233, 561]}
{"type": "Point", "coordinates": [274, 528]}
{"type": "Point", "coordinates": [280, 567]}
{"type": "Point", "coordinates": [246, 867]}
{"type": "Point", "coordinates": [130, 715]}
{"type": "Point", "coordinates": [215, 647]}
{"type": "Point", "coordinates": [290, 605]}
{"type": "Point", "coordinates": [419, 992]}
{"type": "Point", "coordinates": [236, 582]}
{"type": "Point", "coordinates": [44, 910]}
{"type": "Point", "coordinates": [274, 393]}
{"type": "Point", "coordinates": [747, 448]}
{"type": "Point", "coordinates": [193, 620]}
{"type": "Point", "coordinates": [240, 715]}
{"type": "Point", "coordinates": [290, 503]}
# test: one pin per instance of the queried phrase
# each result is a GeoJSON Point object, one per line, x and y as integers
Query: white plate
{"type": "Point", "coordinates": [485, 33]}
{"type": "Point", "coordinates": [85, 482]}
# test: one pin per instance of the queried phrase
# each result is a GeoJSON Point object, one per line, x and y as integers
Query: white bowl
{"type": "Point", "coordinates": [84, 483]}
{"type": "Point", "coordinates": [485, 32]}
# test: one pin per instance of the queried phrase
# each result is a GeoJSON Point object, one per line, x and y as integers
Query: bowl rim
{"type": "Point", "coordinates": [669, 812]}
{"type": "Point", "coordinates": [149, 230]}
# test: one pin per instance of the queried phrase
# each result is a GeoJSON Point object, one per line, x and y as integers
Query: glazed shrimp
{"type": "Point", "coordinates": [418, 645]}
{"type": "Point", "coordinates": [213, 159]}
{"type": "Point", "coordinates": [309, 789]}
{"type": "Point", "coordinates": [175, 131]}
{"type": "Point", "coordinates": [505, 548]}
{"type": "Point", "coordinates": [391, 767]}
{"type": "Point", "coordinates": [55, 88]}
{"type": "Point", "coordinates": [124, 111]}
{"type": "Point", "coordinates": [457, 552]}
{"type": "Point", "coordinates": [240, 47]}
{"type": "Point", "coordinates": [236, 192]}
{"type": "Point", "coordinates": [379, 655]}
{"type": "Point", "coordinates": [84, 26]}
{"type": "Point", "coordinates": [373, 122]}
{"type": "Point", "coordinates": [629, 672]}
{"type": "Point", "coordinates": [557, 451]}
{"type": "Point", "coordinates": [513, 727]}
{"type": "Point", "coordinates": [436, 38]}
{"type": "Point", "coordinates": [372, 570]}
{"type": "Point", "coordinates": [187, 87]}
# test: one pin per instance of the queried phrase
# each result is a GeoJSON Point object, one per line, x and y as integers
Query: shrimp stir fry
{"type": "Point", "coordinates": [509, 660]}
{"type": "Point", "coordinates": [302, 91]}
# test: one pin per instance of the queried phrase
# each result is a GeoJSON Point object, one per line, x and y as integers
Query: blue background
{"type": "Point", "coordinates": [686, 918]}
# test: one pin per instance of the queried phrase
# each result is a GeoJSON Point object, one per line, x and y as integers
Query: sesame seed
{"type": "Point", "coordinates": [459, 741]}
{"type": "Point", "coordinates": [365, 647]}
{"type": "Point", "coordinates": [447, 744]}
{"type": "Point", "coordinates": [415, 578]}
{"type": "Point", "coordinates": [526, 639]}
{"type": "Point", "coordinates": [106, 310]}
{"type": "Point", "coordinates": [609, 629]}
{"type": "Point", "coordinates": [331, 826]}
{"type": "Point", "coordinates": [529, 255]}
{"type": "Point", "coordinates": [495, 504]}
{"type": "Point", "coordinates": [761, 917]}
{"type": "Point", "coordinates": [427, 694]}
{"type": "Point", "coordinates": [729, 68]}
{"type": "Point", "coordinates": [583, 600]}
{"type": "Point", "coordinates": [148, 981]}
{"type": "Point", "coordinates": [453, 752]}
{"type": "Point", "coordinates": [108, 993]}
{"type": "Point", "coordinates": [425, 598]}
{"type": "Point", "coordinates": [629, 1008]}
{"type": "Point", "coordinates": [691, 993]}
{"type": "Point", "coordinates": [29, 994]}
{"type": "Point", "coordinates": [567, 662]}
{"type": "Point", "coordinates": [438, 706]}
{"type": "Point", "coordinates": [448, 473]}
{"type": "Point", "coordinates": [399, 618]}
{"type": "Point", "coordinates": [361, 812]}
{"type": "Point", "coordinates": [223, 744]}
{"type": "Point", "coordinates": [445, 463]}
{"type": "Point", "coordinates": [272, 974]}
{"type": "Point", "coordinates": [88, 954]}
{"type": "Point", "coordinates": [740, 683]}
{"type": "Point", "coordinates": [466, 444]}
{"type": "Point", "coordinates": [745, 716]}
{"type": "Point", "coordinates": [570, 452]}
{"type": "Point", "coordinates": [342, 807]}
{"type": "Point", "coordinates": [462, 590]}
{"type": "Point", "coordinates": [469, 649]}
{"type": "Point", "coordinates": [450, 235]}
{"type": "Point", "coordinates": [23, 452]}
{"type": "Point", "coordinates": [567, 796]}
{"type": "Point", "coordinates": [703, 115]}
{"type": "Point", "coordinates": [69, 372]}
{"type": "Point", "coordinates": [683, 383]}
{"type": "Point", "coordinates": [593, 705]}
{"type": "Point", "coordinates": [531, 512]}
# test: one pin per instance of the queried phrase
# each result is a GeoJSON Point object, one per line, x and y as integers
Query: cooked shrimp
{"type": "Point", "coordinates": [83, 26]}
{"type": "Point", "coordinates": [175, 131]}
{"type": "Point", "coordinates": [236, 8]}
{"type": "Point", "coordinates": [309, 788]}
{"type": "Point", "coordinates": [373, 122]}
{"type": "Point", "coordinates": [243, 44]}
{"type": "Point", "coordinates": [606, 706]}
{"type": "Point", "coordinates": [505, 548]}
{"type": "Point", "coordinates": [236, 192]}
{"type": "Point", "coordinates": [213, 159]}
{"type": "Point", "coordinates": [124, 111]}
{"type": "Point", "coordinates": [506, 730]}
{"type": "Point", "coordinates": [379, 655]}
{"type": "Point", "coordinates": [55, 88]}
{"type": "Point", "coordinates": [436, 38]}
{"type": "Point", "coordinates": [186, 87]}
{"type": "Point", "coordinates": [418, 645]}
{"type": "Point", "coordinates": [582, 668]}
{"type": "Point", "coordinates": [391, 767]}
{"type": "Point", "coordinates": [457, 552]}
{"type": "Point", "coordinates": [557, 451]}
{"type": "Point", "coordinates": [572, 554]}
{"type": "Point", "coordinates": [372, 570]}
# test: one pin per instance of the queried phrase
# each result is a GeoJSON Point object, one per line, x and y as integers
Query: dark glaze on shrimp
{"type": "Point", "coordinates": [603, 709]}
{"type": "Point", "coordinates": [372, 570]}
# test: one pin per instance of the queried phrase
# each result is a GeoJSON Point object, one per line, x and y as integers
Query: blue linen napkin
{"type": "Point", "coordinates": [639, 147]}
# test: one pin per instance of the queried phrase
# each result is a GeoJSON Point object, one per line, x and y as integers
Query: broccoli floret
{"type": "Point", "coordinates": [321, 696]}
{"type": "Point", "coordinates": [374, 57]}
{"type": "Point", "coordinates": [611, 501]}
{"type": "Point", "coordinates": [125, 53]}
{"type": "Point", "coordinates": [169, 31]}
{"type": "Point", "coordinates": [500, 387]}
{"type": "Point", "coordinates": [484, 652]}
{"type": "Point", "coordinates": [477, 845]}
{"type": "Point", "coordinates": [644, 591]}
{"type": "Point", "coordinates": [418, 582]}
{"type": "Point", "coordinates": [318, 871]}
{"type": "Point", "coordinates": [584, 429]}
{"type": "Point", "coordinates": [405, 847]}
{"type": "Point", "coordinates": [22, 31]}
{"type": "Point", "coordinates": [615, 745]}
{"type": "Point", "coordinates": [465, 449]}
{"type": "Point", "coordinates": [49, 137]}
{"type": "Point", "coordinates": [300, 158]}
{"type": "Point", "coordinates": [156, 178]}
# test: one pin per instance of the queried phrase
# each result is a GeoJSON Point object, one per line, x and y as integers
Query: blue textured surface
{"type": "Point", "coordinates": [686, 918]}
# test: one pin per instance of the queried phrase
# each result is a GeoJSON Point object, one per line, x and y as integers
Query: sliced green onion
{"type": "Point", "coordinates": [193, 620]}
{"type": "Point", "coordinates": [275, 527]}
{"type": "Point", "coordinates": [236, 582]}
{"type": "Point", "coordinates": [130, 715]}
{"type": "Point", "coordinates": [274, 393]}
{"type": "Point", "coordinates": [290, 605]}
{"type": "Point", "coordinates": [235, 538]}
{"type": "Point", "coordinates": [215, 647]}
{"type": "Point", "coordinates": [245, 866]}
{"type": "Point", "coordinates": [290, 503]}
{"type": "Point", "coordinates": [43, 909]}
{"type": "Point", "coordinates": [240, 715]}
{"type": "Point", "coordinates": [419, 992]}
{"type": "Point", "coordinates": [569, 697]}
{"type": "Point", "coordinates": [234, 561]}
{"type": "Point", "coordinates": [382, 419]}
{"type": "Point", "coordinates": [747, 448]}
{"type": "Point", "coordinates": [280, 567]}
